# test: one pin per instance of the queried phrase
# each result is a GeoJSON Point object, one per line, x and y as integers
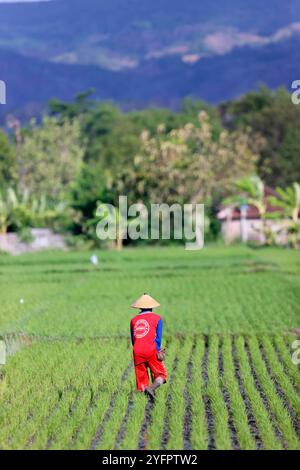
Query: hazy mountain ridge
{"type": "Point", "coordinates": [117, 35]}
{"type": "Point", "coordinates": [145, 52]}
{"type": "Point", "coordinates": [32, 82]}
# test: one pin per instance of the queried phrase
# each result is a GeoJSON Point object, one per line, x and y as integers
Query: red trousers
{"type": "Point", "coordinates": [157, 369]}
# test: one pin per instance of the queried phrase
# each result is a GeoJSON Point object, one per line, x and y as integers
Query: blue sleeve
{"type": "Point", "coordinates": [158, 337]}
{"type": "Point", "coordinates": [131, 333]}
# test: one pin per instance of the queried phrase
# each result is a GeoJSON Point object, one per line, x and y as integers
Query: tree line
{"type": "Point", "coordinates": [56, 170]}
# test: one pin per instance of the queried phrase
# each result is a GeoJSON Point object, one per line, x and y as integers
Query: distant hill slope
{"type": "Point", "coordinates": [139, 52]}
{"type": "Point", "coordinates": [32, 82]}
{"type": "Point", "coordinates": [116, 34]}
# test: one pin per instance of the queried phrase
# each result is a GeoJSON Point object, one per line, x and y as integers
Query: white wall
{"type": "Point", "coordinates": [231, 230]}
{"type": "Point", "coordinates": [42, 239]}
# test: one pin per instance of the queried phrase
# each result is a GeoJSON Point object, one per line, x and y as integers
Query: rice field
{"type": "Point", "coordinates": [230, 318]}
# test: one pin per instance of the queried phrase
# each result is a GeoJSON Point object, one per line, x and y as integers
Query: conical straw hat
{"type": "Point", "coordinates": [145, 301]}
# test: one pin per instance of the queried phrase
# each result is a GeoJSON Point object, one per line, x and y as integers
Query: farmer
{"type": "Point", "coordinates": [146, 336]}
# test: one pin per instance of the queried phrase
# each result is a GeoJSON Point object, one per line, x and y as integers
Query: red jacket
{"type": "Point", "coordinates": [146, 333]}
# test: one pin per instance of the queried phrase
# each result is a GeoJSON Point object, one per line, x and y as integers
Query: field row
{"type": "Point", "coordinates": [223, 392]}
{"type": "Point", "coordinates": [216, 290]}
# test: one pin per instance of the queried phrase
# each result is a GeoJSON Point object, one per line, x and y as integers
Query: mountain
{"type": "Point", "coordinates": [115, 34]}
{"type": "Point", "coordinates": [142, 52]}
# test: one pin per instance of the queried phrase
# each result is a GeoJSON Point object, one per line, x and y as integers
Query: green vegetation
{"type": "Point", "coordinates": [212, 291]}
{"type": "Point", "coordinates": [231, 380]}
{"type": "Point", "coordinates": [272, 116]}
{"type": "Point", "coordinates": [214, 393]}
{"type": "Point", "coordinates": [80, 404]}
{"type": "Point", "coordinates": [230, 314]}
{"type": "Point", "coordinates": [199, 434]}
{"type": "Point", "coordinates": [239, 410]}
{"type": "Point", "coordinates": [88, 153]}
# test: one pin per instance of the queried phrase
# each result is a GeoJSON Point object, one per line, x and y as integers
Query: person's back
{"type": "Point", "coordinates": [146, 330]}
{"type": "Point", "coordinates": [146, 337]}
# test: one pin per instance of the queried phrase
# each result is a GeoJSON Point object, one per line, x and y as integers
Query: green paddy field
{"type": "Point", "coordinates": [231, 319]}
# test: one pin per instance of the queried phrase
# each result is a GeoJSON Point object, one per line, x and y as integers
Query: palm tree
{"type": "Point", "coordinates": [289, 203]}
{"type": "Point", "coordinates": [251, 192]}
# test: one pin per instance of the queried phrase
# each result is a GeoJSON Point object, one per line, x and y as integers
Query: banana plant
{"type": "Point", "coordinates": [288, 201]}
{"type": "Point", "coordinates": [8, 202]}
{"type": "Point", "coordinates": [288, 204]}
{"type": "Point", "coordinates": [251, 191]}
{"type": "Point", "coordinates": [23, 211]}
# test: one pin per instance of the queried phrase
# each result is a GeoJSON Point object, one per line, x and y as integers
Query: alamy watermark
{"type": "Point", "coordinates": [2, 92]}
{"type": "Point", "coordinates": [296, 94]}
{"type": "Point", "coordinates": [296, 353]}
{"type": "Point", "coordinates": [156, 222]}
